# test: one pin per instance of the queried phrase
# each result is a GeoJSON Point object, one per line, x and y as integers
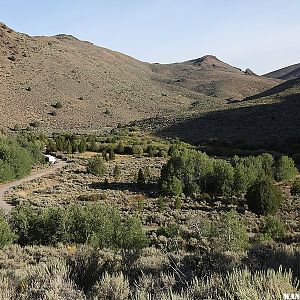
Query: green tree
{"type": "Point", "coordinates": [82, 145]}
{"type": "Point", "coordinates": [117, 171]}
{"type": "Point", "coordinates": [6, 234]}
{"type": "Point", "coordinates": [141, 180]}
{"type": "Point", "coordinates": [6, 172]}
{"type": "Point", "coordinates": [273, 227]}
{"type": "Point", "coordinates": [147, 174]}
{"type": "Point", "coordinates": [222, 177]}
{"type": "Point", "coordinates": [172, 187]}
{"type": "Point", "coordinates": [285, 169]}
{"type": "Point", "coordinates": [295, 188]}
{"type": "Point", "coordinates": [96, 166]}
{"type": "Point", "coordinates": [120, 148]}
{"type": "Point", "coordinates": [111, 154]}
{"type": "Point", "coordinates": [151, 150]}
{"type": "Point", "coordinates": [264, 197]}
{"type": "Point", "coordinates": [137, 150]}
{"type": "Point", "coordinates": [134, 237]}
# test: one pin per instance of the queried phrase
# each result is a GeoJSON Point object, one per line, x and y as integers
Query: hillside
{"type": "Point", "coordinates": [99, 88]}
{"type": "Point", "coordinates": [287, 73]}
{"type": "Point", "coordinates": [271, 116]}
{"type": "Point", "coordinates": [210, 76]}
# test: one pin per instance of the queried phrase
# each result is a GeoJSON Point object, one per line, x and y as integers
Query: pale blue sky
{"type": "Point", "coordinates": [260, 34]}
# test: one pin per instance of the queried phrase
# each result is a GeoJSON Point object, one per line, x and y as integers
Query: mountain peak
{"type": "Point", "coordinates": [207, 59]}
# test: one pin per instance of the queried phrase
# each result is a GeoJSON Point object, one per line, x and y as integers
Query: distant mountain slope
{"type": "Point", "coordinates": [210, 76]}
{"type": "Point", "coordinates": [98, 87]}
{"type": "Point", "coordinates": [287, 89]}
{"type": "Point", "coordinates": [287, 73]}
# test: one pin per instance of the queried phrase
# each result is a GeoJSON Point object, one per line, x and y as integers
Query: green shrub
{"type": "Point", "coordinates": [111, 154]}
{"type": "Point", "coordinates": [141, 180]}
{"type": "Point", "coordinates": [285, 169]}
{"type": "Point", "coordinates": [137, 150]}
{"type": "Point", "coordinates": [229, 233]}
{"type": "Point", "coordinates": [170, 231]}
{"type": "Point", "coordinates": [117, 171]}
{"type": "Point", "coordinates": [82, 145]}
{"type": "Point", "coordinates": [273, 227]}
{"type": "Point", "coordinates": [16, 161]}
{"type": "Point", "coordinates": [221, 179]}
{"type": "Point", "coordinates": [6, 235]}
{"type": "Point", "coordinates": [295, 188]}
{"type": "Point", "coordinates": [92, 223]}
{"type": "Point", "coordinates": [133, 235]}
{"type": "Point", "coordinates": [96, 166]}
{"type": "Point", "coordinates": [264, 197]}
{"type": "Point", "coordinates": [172, 187]}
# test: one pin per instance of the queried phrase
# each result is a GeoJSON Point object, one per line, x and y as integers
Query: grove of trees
{"type": "Point", "coordinates": [17, 157]}
{"type": "Point", "coordinates": [192, 172]}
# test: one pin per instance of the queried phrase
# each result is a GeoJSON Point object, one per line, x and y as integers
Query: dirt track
{"type": "Point", "coordinates": [6, 186]}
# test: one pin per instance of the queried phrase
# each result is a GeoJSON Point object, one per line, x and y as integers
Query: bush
{"type": "Point", "coordinates": [57, 105]}
{"type": "Point", "coordinates": [114, 287]}
{"type": "Point", "coordinates": [221, 178]}
{"type": "Point", "coordinates": [95, 224]}
{"type": "Point", "coordinates": [15, 161]}
{"type": "Point", "coordinates": [96, 166]}
{"type": "Point", "coordinates": [285, 169]}
{"type": "Point", "coordinates": [137, 150]}
{"type": "Point", "coordinates": [295, 188]}
{"type": "Point", "coordinates": [273, 227]}
{"type": "Point", "coordinates": [243, 284]}
{"type": "Point", "coordinates": [117, 171]}
{"type": "Point", "coordinates": [264, 197]}
{"type": "Point", "coordinates": [229, 233]}
{"type": "Point", "coordinates": [172, 187]}
{"type": "Point", "coordinates": [6, 234]}
{"type": "Point", "coordinates": [141, 180]}
{"type": "Point", "coordinates": [170, 231]}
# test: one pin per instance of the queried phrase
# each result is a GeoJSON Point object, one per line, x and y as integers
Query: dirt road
{"type": "Point", "coordinates": [6, 186]}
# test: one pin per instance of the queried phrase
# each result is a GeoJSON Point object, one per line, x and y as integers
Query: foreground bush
{"type": "Point", "coordinates": [43, 281]}
{"type": "Point", "coordinates": [243, 284]}
{"type": "Point", "coordinates": [92, 223]}
{"type": "Point", "coordinates": [264, 197]}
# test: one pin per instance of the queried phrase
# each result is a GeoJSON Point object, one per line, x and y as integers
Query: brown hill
{"type": "Point", "coordinates": [98, 87]}
{"type": "Point", "coordinates": [210, 76]}
{"type": "Point", "coordinates": [287, 73]}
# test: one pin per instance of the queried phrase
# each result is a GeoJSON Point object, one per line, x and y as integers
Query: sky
{"type": "Point", "coordinates": [263, 35]}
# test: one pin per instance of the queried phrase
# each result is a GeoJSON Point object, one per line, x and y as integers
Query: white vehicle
{"type": "Point", "coordinates": [50, 159]}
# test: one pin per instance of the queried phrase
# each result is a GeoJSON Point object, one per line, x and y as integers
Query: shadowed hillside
{"type": "Point", "coordinates": [287, 73]}
{"type": "Point", "coordinates": [270, 116]}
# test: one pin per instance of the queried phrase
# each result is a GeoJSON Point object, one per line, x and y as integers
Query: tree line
{"type": "Point", "coordinates": [192, 172]}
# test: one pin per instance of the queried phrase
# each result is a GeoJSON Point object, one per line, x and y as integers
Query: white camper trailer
{"type": "Point", "coordinates": [50, 159]}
